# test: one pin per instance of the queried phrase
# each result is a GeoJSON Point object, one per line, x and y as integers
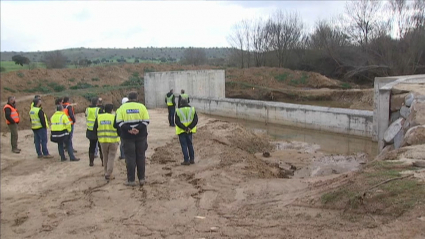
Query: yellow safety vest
{"type": "Point", "coordinates": [32, 105]}
{"type": "Point", "coordinates": [184, 96]}
{"type": "Point", "coordinates": [132, 112]}
{"type": "Point", "coordinates": [170, 100]}
{"type": "Point", "coordinates": [60, 122]}
{"type": "Point", "coordinates": [106, 133]}
{"type": "Point", "coordinates": [35, 120]}
{"type": "Point", "coordinates": [91, 114]}
{"type": "Point", "coordinates": [186, 115]}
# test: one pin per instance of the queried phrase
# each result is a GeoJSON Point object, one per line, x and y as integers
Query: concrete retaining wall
{"type": "Point", "coordinates": [347, 121]}
{"type": "Point", "coordinates": [203, 83]}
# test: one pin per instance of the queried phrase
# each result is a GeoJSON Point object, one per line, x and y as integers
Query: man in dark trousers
{"type": "Point", "coordinates": [39, 126]}
{"type": "Point", "coordinates": [183, 96]}
{"type": "Point", "coordinates": [171, 104]}
{"type": "Point", "coordinates": [186, 121]}
{"type": "Point", "coordinates": [12, 120]}
{"type": "Point", "coordinates": [132, 119]}
{"type": "Point", "coordinates": [68, 109]}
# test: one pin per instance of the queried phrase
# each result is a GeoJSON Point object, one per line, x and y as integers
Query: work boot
{"type": "Point", "coordinates": [185, 163]}
{"type": "Point", "coordinates": [75, 151]}
{"type": "Point", "coordinates": [16, 151]}
{"type": "Point", "coordinates": [142, 182]}
{"type": "Point", "coordinates": [63, 159]}
{"type": "Point", "coordinates": [192, 161]}
{"type": "Point", "coordinates": [132, 184]}
{"type": "Point", "coordinates": [75, 159]}
{"type": "Point", "coordinates": [91, 158]}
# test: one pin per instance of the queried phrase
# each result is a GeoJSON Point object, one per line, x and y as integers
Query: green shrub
{"type": "Point", "coordinates": [148, 70]}
{"type": "Point", "coordinates": [89, 95]}
{"type": "Point", "coordinates": [10, 89]}
{"type": "Point", "coordinates": [95, 79]}
{"type": "Point", "coordinates": [283, 77]}
{"type": "Point", "coordinates": [71, 80]}
{"type": "Point", "coordinates": [39, 88]}
{"type": "Point", "coordinates": [302, 80]}
{"type": "Point", "coordinates": [56, 87]}
{"type": "Point", "coordinates": [20, 74]}
{"type": "Point", "coordinates": [345, 85]}
{"type": "Point", "coordinates": [81, 85]}
{"type": "Point", "coordinates": [2, 69]}
{"type": "Point", "coordinates": [134, 80]}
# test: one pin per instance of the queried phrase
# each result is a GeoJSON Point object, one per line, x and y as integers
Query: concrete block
{"type": "Point", "coordinates": [409, 99]}
{"type": "Point", "coordinates": [392, 131]}
{"type": "Point", "coordinates": [405, 111]}
{"type": "Point", "coordinates": [394, 116]}
{"type": "Point", "coordinates": [396, 91]}
{"type": "Point", "coordinates": [414, 136]}
{"type": "Point", "coordinates": [397, 101]}
{"type": "Point", "coordinates": [398, 139]}
{"type": "Point", "coordinates": [417, 114]}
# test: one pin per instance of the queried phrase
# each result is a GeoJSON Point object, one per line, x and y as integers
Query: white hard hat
{"type": "Point", "coordinates": [124, 100]}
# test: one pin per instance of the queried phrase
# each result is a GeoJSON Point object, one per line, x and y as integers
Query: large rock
{"type": "Point", "coordinates": [417, 113]}
{"type": "Point", "coordinates": [409, 99]}
{"type": "Point", "coordinates": [397, 101]}
{"type": "Point", "coordinates": [393, 130]}
{"type": "Point", "coordinates": [415, 136]}
{"type": "Point", "coordinates": [405, 111]}
{"type": "Point", "coordinates": [398, 139]}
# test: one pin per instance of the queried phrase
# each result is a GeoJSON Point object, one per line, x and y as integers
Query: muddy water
{"type": "Point", "coordinates": [329, 142]}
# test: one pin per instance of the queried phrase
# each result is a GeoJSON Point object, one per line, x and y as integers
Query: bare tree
{"type": "Point", "coordinates": [247, 32]}
{"type": "Point", "coordinates": [194, 56]}
{"type": "Point", "coordinates": [401, 20]}
{"type": "Point", "coordinates": [237, 40]}
{"type": "Point", "coordinates": [418, 16]}
{"type": "Point", "coordinates": [363, 20]}
{"type": "Point", "coordinates": [259, 39]}
{"type": "Point", "coordinates": [285, 31]}
{"type": "Point", "coordinates": [55, 59]}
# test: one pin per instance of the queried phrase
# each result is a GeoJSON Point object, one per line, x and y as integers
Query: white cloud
{"type": "Point", "coordinates": [37, 25]}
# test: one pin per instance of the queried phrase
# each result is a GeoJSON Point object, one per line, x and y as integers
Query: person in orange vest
{"type": "Point", "coordinates": [12, 121]}
{"type": "Point", "coordinates": [69, 111]}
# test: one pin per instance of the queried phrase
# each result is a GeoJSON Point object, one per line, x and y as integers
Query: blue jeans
{"type": "Point", "coordinates": [68, 144]}
{"type": "Point", "coordinates": [171, 112]}
{"type": "Point", "coordinates": [40, 141]}
{"type": "Point", "coordinates": [186, 144]}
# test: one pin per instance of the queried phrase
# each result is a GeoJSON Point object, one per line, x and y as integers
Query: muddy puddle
{"type": "Point", "coordinates": [314, 153]}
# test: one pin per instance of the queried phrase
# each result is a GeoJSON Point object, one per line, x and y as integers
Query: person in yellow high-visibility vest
{"type": "Point", "coordinates": [183, 96]}
{"type": "Point", "coordinates": [133, 120]}
{"type": "Point", "coordinates": [35, 97]}
{"type": "Point", "coordinates": [39, 126]}
{"type": "Point", "coordinates": [91, 114]}
{"type": "Point", "coordinates": [108, 137]}
{"type": "Point", "coordinates": [186, 121]}
{"type": "Point", "coordinates": [171, 104]}
{"type": "Point", "coordinates": [61, 130]}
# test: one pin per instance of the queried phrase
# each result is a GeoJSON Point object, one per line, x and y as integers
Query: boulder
{"type": "Point", "coordinates": [417, 113]}
{"type": "Point", "coordinates": [397, 101]}
{"type": "Point", "coordinates": [405, 111]}
{"type": "Point", "coordinates": [414, 136]}
{"type": "Point", "coordinates": [394, 116]}
{"type": "Point", "coordinates": [409, 99]}
{"type": "Point", "coordinates": [406, 125]}
{"type": "Point", "coordinates": [398, 139]}
{"type": "Point", "coordinates": [393, 130]}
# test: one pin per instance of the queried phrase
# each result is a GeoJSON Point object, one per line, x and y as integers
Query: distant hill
{"type": "Point", "coordinates": [150, 53]}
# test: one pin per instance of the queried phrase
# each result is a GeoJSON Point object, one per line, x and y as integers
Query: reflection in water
{"type": "Point", "coordinates": [329, 142]}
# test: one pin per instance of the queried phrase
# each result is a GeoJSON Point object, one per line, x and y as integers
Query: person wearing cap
{"type": "Point", "coordinates": [171, 104]}
{"type": "Point", "coordinates": [183, 96]}
{"type": "Point", "coordinates": [122, 156]}
{"type": "Point", "coordinates": [186, 121]}
{"type": "Point", "coordinates": [39, 126]}
{"type": "Point", "coordinates": [60, 134]}
{"type": "Point", "coordinates": [12, 120]}
{"type": "Point", "coordinates": [91, 114]}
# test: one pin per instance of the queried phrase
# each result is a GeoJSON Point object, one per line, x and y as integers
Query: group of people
{"type": "Point", "coordinates": [105, 130]}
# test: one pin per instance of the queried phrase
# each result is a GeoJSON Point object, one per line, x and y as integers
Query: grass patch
{"type": "Point", "coordinates": [146, 70]}
{"type": "Point", "coordinates": [300, 81]}
{"type": "Point", "coordinates": [56, 87]}
{"type": "Point", "coordinates": [95, 79]}
{"type": "Point", "coordinates": [345, 85]}
{"type": "Point", "coordinates": [38, 89]}
{"type": "Point", "coordinates": [283, 77]}
{"type": "Point", "coordinates": [134, 80]}
{"type": "Point", "coordinates": [365, 193]}
{"type": "Point", "coordinates": [20, 74]}
{"type": "Point", "coordinates": [11, 66]}
{"type": "Point", "coordinates": [9, 89]}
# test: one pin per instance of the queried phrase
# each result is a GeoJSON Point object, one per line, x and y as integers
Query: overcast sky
{"type": "Point", "coordinates": [52, 25]}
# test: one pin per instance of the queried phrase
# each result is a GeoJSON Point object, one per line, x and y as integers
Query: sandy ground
{"type": "Point", "coordinates": [231, 191]}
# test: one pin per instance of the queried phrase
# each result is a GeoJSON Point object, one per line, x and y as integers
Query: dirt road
{"type": "Point", "coordinates": [229, 193]}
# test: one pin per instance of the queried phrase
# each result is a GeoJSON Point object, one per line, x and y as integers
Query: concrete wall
{"type": "Point", "coordinates": [353, 122]}
{"type": "Point", "coordinates": [203, 83]}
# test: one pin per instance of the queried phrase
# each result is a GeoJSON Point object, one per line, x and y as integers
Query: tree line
{"type": "Point", "coordinates": [371, 38]}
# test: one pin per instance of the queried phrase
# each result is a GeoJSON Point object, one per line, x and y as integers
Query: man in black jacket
{"type": "Point", "coordinates": [171, 104]}
{"type": "Point", "coordinates": [39, 125]}
{"type": "Point", "coordinates": [12, 121]}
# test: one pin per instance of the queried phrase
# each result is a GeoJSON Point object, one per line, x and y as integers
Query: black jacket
{"type": "Point", "coordinates": [180, 100]}
{"type": "Point", "coordinates": [173, 99]}
{"type": "Point", "coordinates": [92, 134]}
{"type": "Point", "coordinates": [180, 124]}
{"type": "Point", "coordinates": [8, 112]}
{"type": "Point", "coordinates": [42, 119]}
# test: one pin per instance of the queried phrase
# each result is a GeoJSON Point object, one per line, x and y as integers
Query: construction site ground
{"type": "Point", "coordinates": [231, 191]}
